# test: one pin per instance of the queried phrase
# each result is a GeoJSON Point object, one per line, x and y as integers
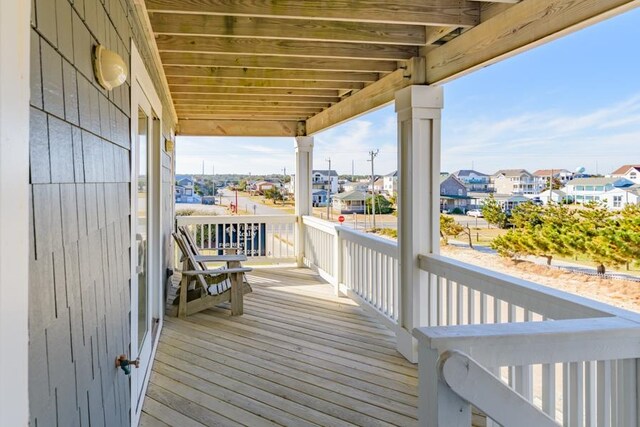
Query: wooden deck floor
{"type": "Point", "coordinates": [299, 356]}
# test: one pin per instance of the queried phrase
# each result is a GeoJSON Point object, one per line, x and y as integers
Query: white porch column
{"type": "Point", "coordinates": [418, 109]}
{"type": "Point", "coordinates": [304, 165]}
{"type": "Point", "coordinates": [14, 204]}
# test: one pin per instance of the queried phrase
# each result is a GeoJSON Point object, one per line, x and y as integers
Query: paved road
{"type": "Point", "coordinates": [245, 203]}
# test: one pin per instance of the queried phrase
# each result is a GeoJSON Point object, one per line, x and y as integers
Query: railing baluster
{"type": "Point", "coordinates": [604, 393]}
{"type": "Point", "coordinates": [449, 301]}
{"type": "Point", "coordinates": [590, 394]}
{"type": "Point", "coordinates": [549, 389]}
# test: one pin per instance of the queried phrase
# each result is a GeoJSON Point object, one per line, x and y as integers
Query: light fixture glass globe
{"type": "Point", "coordinates": [109, 67]}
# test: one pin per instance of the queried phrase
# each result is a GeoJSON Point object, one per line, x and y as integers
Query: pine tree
{"type": "Point", "coordinates": [493, 213]}
{"type": "Point", "coordinates": [449, 227]}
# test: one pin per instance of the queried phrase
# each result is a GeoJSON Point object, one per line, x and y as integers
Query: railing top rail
{"type": "Point", "coordinates": [540, 299]}
{"type": "Point", "coordinates": [235, 219]}
{"type": "Point", "coordinates": [379, 244]}
{"type": "Point", "coordinates": [526, 343]}
{"type": "Point", "coordinates": [320, 224]}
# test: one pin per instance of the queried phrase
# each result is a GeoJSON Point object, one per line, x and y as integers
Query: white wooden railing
{"type": "Point", "coordinates": [264, 238]}
{"type": "Point", "coordinates": [571, 358]}
{"type": "Point", "coordinates": [567, 358]}
{"type": "Point", "coordinates": [362, 265]}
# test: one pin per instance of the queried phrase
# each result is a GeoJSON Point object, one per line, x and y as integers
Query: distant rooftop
{"type": "Point", "coordinates": [549, 172]}
{"type": "Point", "coordinates": [624, 169]}
{"type": "Point", "coordinates": [511, 172]}
{"type": "Point", "coordinates": [598, 181]}
{"type": "Point", "coordinates": [467, 172]}
{"type": "Point", "coordinates": [326, 172]}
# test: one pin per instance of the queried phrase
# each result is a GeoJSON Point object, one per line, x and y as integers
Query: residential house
{"type": "Point", "coordinates": [390, 183]}
{"type": "Point", "coordinates": [560, 177]}
{"type": "Point", "coordinates": [319, 198]}
{"type": "Point", "coordinates": [453, 193]}
{"type": "Point", "coordinates": [474, 181]}
{"type": "Point", "coordinates": [583, 190]}
{"type": "Point", "coordinates": [630, 172]}
{"type": "Point", "coordinates": [185, 191]}
{"type": "Point", "coordinates": [88, 116]}
{"type": "Point", "coordinates": [325, 180]}
{"type": "Point", "coordinates": [362, 186]}
{"type": "Point", "coordinates": [556, 196]}
{"type": "Point", "coordinates": [619, 197]}
{"type": "Point", "coordinates": [261, 186]}
{"type": "Point", "coordinates": [515, 182]}
{"type": "Point", "coordinates": [349, 202]}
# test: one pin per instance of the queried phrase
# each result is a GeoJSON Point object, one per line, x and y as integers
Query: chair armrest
{"type": "Point", "coordinates": [217, 272]}
{"type": "Point", "coordinates": [220, 258]}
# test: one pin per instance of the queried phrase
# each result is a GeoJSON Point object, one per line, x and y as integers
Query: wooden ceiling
{"type": "Point", "coordinates": [296, 67]}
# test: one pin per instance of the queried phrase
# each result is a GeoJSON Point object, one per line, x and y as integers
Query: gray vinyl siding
{"type": "Point", "coordinates": [80, 159]}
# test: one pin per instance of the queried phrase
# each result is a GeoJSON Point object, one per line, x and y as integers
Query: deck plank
{"type": "Point", "coordinates": [300, 356]}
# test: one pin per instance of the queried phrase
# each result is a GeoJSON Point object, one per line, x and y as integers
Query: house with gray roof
{"type": "Point", "coordinates": [453, 193]}
{"type": "Point", "coordinates": [349, 202]}
{"type": "Point", "coordinates": [474, 180]}
{"type": "Point", "coordinates": [584, 190]}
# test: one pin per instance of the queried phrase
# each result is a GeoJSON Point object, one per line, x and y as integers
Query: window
{"type": "Point", "coordinates": [588, 187]}
{"type": "Point", "coordinates": [597, 197]}
{"type": "Point", "coordinates": [588, 197]}
{"type": "Point", "coordinates": [599, 188]}
{"type": "Point", "coordinates": [617, 201]}
{"type": "Point", "coordinates": [579, 197]}
{"type": "Point", "coordinates": [579, 187]}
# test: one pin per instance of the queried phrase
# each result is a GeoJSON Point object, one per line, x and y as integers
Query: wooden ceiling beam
{"type": "Point", "coordinates": [251, 83]}
{"type": "Point", "coordinates": [252, 91]}
{"type": "Point", "coordinates": [371, 97]}
{"type": "Point", "coordinates": [266, 108]}
{"type": "Point", "coordinates": [239, 128]}
{"type": "Point", "coordinates": [520, 27]}
{"type": "Point", "coordinates": [243, 116]}
{"type": "Point", "coordinates": [269, 74]}
{"type": "Point", "coordinates": [289, 48]}
{"type": "Point", "coordinates": [287, 29]}
{"type": "Point", "coordinates": [277, 62]}
{"type": "Point", "coordinates": [242, 98]}
{"type": "Point", "coordinates": [418, 12]}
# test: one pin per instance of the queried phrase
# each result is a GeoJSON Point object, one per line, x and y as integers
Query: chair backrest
{"type": "Point", "coordinates": [188, 239]}
{"type": "Point", "coordinates": [190, 255]}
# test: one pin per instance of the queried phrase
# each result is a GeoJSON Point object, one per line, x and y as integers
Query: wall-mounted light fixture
{"type": "Point", "coordinates": [109, 67]}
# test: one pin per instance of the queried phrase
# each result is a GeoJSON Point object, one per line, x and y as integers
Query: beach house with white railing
{"type": "Point", "coordinates": [350, 329]}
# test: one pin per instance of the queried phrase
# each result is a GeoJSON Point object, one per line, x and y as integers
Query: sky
{"type": "Point", "coordinates": [573, 102]}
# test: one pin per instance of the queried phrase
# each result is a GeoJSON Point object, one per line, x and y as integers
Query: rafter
{"type": "Point", "coordinates": [241, 108]}
{"type": "Point", "coordinates": [244, 116]}
{"type": "Point", "coordinates": [254, 83]}
{"type": "Point", "coordinates": [253, 91]}
{"type": "Point", "coordinates": [292, 48]}
{"type": "Point", "coordinates": [269, 74]}
{"type": "Point", "coordinates": [287, 29]}
{"type": "Point", "coordinates": [240, 98]}
{"type": "Point", "coordinates": [239, 128]}
{"type": "Point", "coordinates": [420, 12]}
{"type": "Point", "coordinates": [279, 62]}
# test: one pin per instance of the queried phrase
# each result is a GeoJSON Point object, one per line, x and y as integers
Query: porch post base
{"type": "Point", "coordinates": [407, 345]}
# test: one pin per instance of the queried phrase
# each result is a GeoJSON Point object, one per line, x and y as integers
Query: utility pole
{"type": "Point", "coordinates": [329, 191]}
{"type": "Point", "coordinates": [373, 155]}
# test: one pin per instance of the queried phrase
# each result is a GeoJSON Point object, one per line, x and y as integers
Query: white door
{"type": "Point", "coordinates": [146, 286]}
